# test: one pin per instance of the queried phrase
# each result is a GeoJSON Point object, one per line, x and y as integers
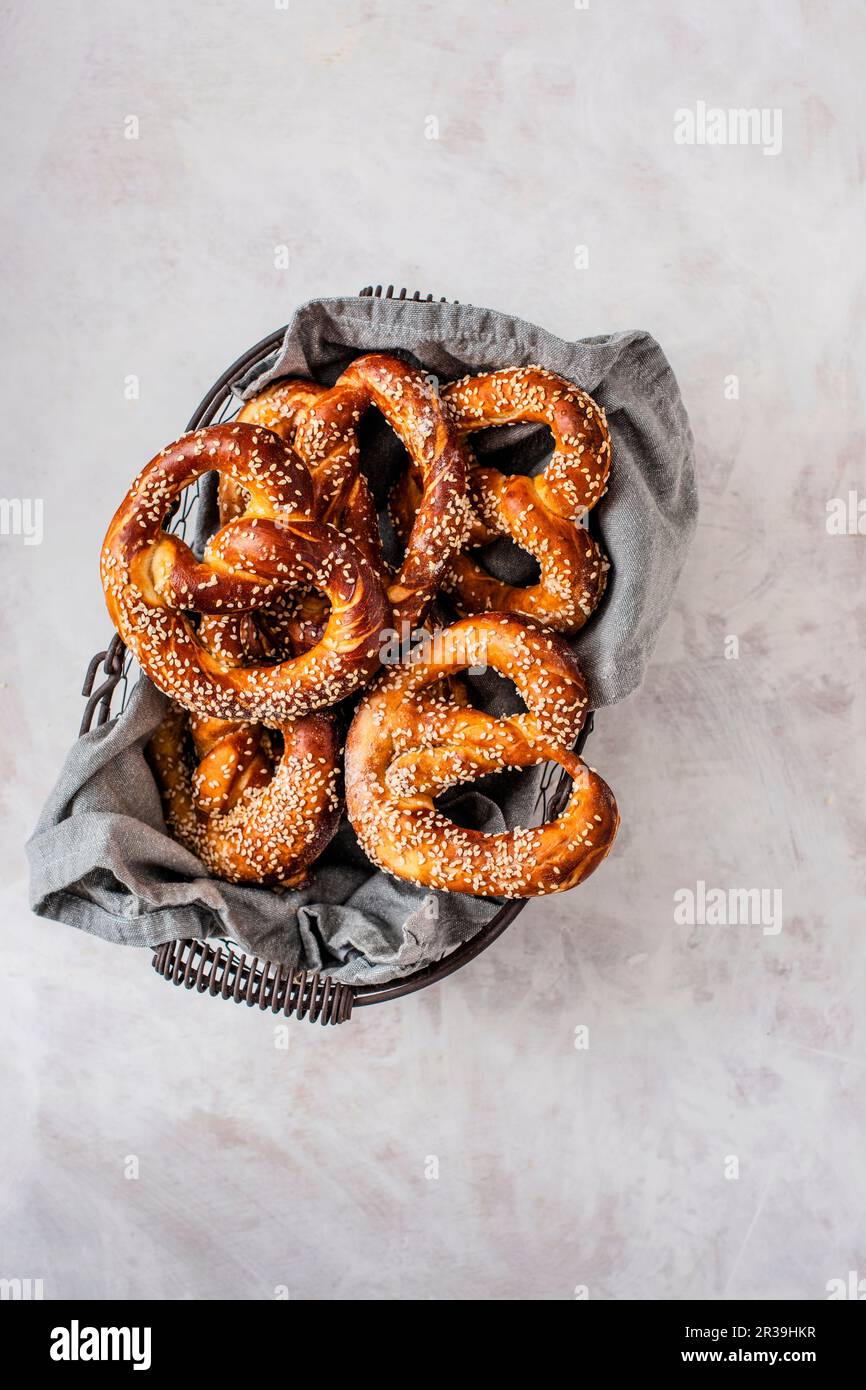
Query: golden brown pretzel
{"type": "Point", "coordinates": [248, 821]}
{"type": "Point", "coordinates": [322, 425]}
{"type": "Point", "coordinates": [539, 513]}
{"type": "Point", "coordinates": [153, 581]}
{"type": "Point", "coordinates": [405, 747]}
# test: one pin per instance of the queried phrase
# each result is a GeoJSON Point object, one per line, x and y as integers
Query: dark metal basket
{"type": "Point", "coordinates": [219, 967]}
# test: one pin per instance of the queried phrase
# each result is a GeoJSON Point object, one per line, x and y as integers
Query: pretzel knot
{"type": "Point", "coordinates": [405, 747]}
{"type": "Point", "coordinates": [539, 513]}
{"type": "Point", "coordinates": [316, 422]}
{"type": "Point", "coordinates": [154, 583]}
{"type": "Point", "coordinates": [250, 814]}
{"type": "Point", "coordinates": [322, 425]}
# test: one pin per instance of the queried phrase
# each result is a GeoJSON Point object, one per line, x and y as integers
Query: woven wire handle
{"type": "Point", "coordinates": [376, 292]}
{"type": "Point", "coordinates": [221, 970]}
{"type": "Point", "coordinates": [98, 706]}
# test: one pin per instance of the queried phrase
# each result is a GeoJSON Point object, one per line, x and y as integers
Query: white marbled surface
{"type": "Point", "coordinates": [559, 1168]}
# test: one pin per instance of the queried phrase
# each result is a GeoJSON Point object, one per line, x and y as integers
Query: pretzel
{"type": "Point", "coordinates": [323, 427]}
{"type": "Point", "coordinates": [153, 581]}
{"type": "Point", "coordinates": [248, 821]}
{"type": "Point", "coordinates": [405, 747]}
{"type": "Point", "coordinates": [540, 513]}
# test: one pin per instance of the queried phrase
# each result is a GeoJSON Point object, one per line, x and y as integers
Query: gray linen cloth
{"type": "Point", "coordinates": [101, 858]}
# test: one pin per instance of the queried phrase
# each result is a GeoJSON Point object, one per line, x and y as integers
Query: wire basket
{"type": "Point", "coordinates": [218, 967]}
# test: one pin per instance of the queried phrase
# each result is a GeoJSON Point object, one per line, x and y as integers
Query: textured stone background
{"type": "Point", "coordinates": [558, 1167]}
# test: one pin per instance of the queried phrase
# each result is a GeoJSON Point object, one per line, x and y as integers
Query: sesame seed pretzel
{"type": "Point", "coordinates": [539, 513]}
{"type": "Point", "coordinates": [406, 747]}
{"type": "Point", "coordinates": [248, 820]}
{"type": "Point", "coordinates": [153, 581]}
{"type": "Point", "coordinates": [322, 425]}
